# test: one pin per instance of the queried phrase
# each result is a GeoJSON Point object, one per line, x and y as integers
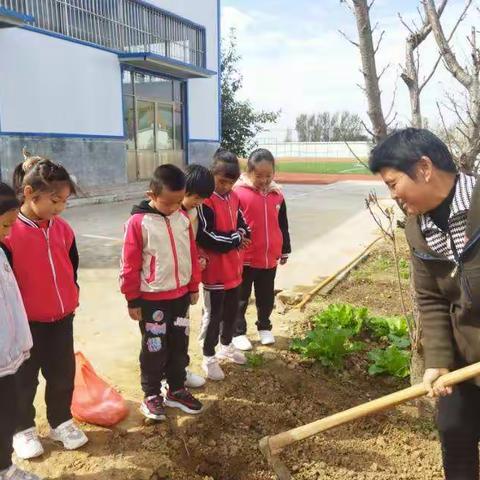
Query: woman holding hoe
{"type": "Point", "coordinates": [443, 232]}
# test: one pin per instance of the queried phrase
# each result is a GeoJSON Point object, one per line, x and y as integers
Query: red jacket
{"type": "Point", "coordinates": [159, 256]}
{"type": "Point", "coordinates": [220, 232]}
{"type": "Point", "coordinates": [45, 263]}
{"type": "Point", "coordinates": [266, 214]}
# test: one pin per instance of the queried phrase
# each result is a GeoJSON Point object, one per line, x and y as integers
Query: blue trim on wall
{"type": "Point", "coordinates": [16, 15]}
{"type": "Point", "coordinates": [171, 61]}
{"type": "Point", "coordinates": [186, 116]}
{"type": "Point", "coordinates": [219, 69]}
{"type": "Point", "coordinates": [202, 140]}
{"type": "Point", "coordinates": [58, 135]}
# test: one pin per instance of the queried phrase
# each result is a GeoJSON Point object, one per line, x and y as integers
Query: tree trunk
{"type": "Point", "coordinates": [410, 77]}
{"type": "Point", "coordinates": [369, 69]}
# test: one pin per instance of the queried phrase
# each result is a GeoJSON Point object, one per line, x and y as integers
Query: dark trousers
{"type": "Point", "coordinates": [459, 427]}
{"type": "Point", "coordinates": [8, 415]}
{"type": "Point", "coordinates": [263, 281]}
{"type": "Point", "coordinates": [220, 310]}
{"type": "Point", "coordinates": [164, 354]}
{"type": "Point", "coordinates": [53, 355]}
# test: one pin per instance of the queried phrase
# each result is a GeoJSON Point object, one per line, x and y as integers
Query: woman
{"type": "Point", "coordinates": [443, 231]}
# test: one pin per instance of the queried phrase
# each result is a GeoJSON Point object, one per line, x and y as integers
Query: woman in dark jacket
{"type": "Point", "coordinates": [443, 232]}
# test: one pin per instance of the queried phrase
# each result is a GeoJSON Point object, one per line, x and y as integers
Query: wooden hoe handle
{"type": "Point", "coordinates": [277, 443]}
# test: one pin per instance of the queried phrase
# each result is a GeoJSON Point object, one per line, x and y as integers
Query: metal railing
{"type": "Point", "coordinates": [123, 25]}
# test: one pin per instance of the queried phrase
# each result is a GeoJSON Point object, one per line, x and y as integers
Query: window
{"type": "Point", "coordinates": [153, 112]}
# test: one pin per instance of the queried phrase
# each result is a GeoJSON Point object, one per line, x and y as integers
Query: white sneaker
{"type": "Point", "coordinates": [27, 444]}
{"type": "Point", "coordinates": [14, 473]}
{"type": "Point", "coordinates": [241, 342]}
{"type": "Point", "coordinates": [193, 380]}
{"type": "Point", "coordinates": [212, 369]}
{"type": "Point", "coordinates": [266, 337]}
{"type": "Point", "coordinates": [231, 354]}
{"type": "Point", "coordinates": [69, 434]}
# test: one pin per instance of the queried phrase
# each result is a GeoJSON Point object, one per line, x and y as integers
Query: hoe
{"type": "Point", "coordinates": [272, 446]}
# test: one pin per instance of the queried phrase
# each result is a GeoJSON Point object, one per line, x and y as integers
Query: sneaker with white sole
{"type": "Point", "coordinates": [212, 369]}
{"type": "Point", "coordinates": [266, 337]}
{"type": "Point", "coordinates": [183, 400]}
{"type": "Point", "coordinates": [193, 380]}
{"type": "Point", "coordinates": [68, 434]}
{"type": "Point", "coordinates": [231, 354]}
{"type": "Point", "coordinates": [241, 342]}
{"type": "Point", "coordinates": [152, 407]}
{"type": "Point", "coordinates": [27, 444]}
{"type": "Point", "coordinates": [14, 473]}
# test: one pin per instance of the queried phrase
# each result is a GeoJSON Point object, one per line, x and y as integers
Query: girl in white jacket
{"type": "Point", "coordinates": [15, 341]}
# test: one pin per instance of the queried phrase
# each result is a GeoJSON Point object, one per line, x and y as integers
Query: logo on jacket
{"type": "Point", "coordinates": [158, 316]}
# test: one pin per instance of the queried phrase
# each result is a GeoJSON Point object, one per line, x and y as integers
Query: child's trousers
{"type": "Point", "coordinates": [8, 415]}
{"type": "Point", "coordinates": [53, 355]}
{"type": "Point", "coordinates": [165, 330]}
{"type": "Point", "coordinates": [459, 427]}
{"type": "Point", "coordinates": [263, 281]}
{"type": "Point", "coordinates": [220, 311]}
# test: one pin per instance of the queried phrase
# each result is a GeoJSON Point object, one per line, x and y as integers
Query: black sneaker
{"type": "Point", "coordinates": [152, 407]}
{"type": "Point", "coordinates": [183, 400]}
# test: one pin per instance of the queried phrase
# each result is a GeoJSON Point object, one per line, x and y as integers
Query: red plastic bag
{"type": "Point", "coordinates": [94, 401]}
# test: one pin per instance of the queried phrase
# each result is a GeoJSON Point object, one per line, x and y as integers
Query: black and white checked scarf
{"type": "Point", "coordinates": [437, 239]}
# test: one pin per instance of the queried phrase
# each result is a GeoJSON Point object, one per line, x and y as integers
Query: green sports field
{"type": "Point", "coordinates": [321, 167]}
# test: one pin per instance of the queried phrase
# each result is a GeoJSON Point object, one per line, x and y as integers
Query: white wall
{"type": "Point", "coordinates": [202, 93]}
{"type": "Point", "coordinates": [48, 85]}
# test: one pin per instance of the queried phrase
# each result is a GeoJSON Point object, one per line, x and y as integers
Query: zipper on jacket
{"type": "Point", "coordinates": [174, 250]}
{"type": "Point", "coordinates": [52, 266]}
{"type": "Point", "coordinates": [266, 230]}
{"type": "Point", "coordinates": [234, 225]}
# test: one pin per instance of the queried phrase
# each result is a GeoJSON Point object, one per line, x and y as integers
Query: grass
{"type": "Point", "coordinates": [319, 167]}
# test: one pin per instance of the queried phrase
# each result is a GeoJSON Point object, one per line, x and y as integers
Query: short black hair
{"type": "Point", "coordinates": [169, 176]}
{"type": "Point", "coordinates": [225, 163]}
{"type": "Point", "coordinates": [200, 181]}
{"type": "Point", "coordinates": [8, 199]}
{"type": "Point", "coordinates": [403, 149]}
{"type": "Point", "coordinates": [260, 155]}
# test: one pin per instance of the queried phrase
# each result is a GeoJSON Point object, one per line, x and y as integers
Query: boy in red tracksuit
{"type": "Point", "coordinates": [222, 233]}
{"type": "Point", "coordinates": [265, 210]}
{"type": "Point", "coordinates": [159, 278]}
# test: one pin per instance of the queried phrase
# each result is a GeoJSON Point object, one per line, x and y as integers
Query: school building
{"type": "Point", "coordinates": [109, 88]}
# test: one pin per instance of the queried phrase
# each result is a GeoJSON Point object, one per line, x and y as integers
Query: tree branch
{"type": "Point", "coordinates": [375, 50]}
{"type": "Point", "coordinates": [349, 39]}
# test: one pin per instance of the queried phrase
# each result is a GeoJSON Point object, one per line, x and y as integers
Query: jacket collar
{"type": "Point", "coordinates": [244, 181]}
{"type": "Point", "coordinates": [459, 204]}
{"type": "Point", "coordinates": [31, 223]}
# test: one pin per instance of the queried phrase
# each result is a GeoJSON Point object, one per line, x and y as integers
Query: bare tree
{"type": "Point", "coordinates": [379, 121]}
{"type": "Point", "coordinates": [411, 69]}
{"type": "Point", "coordinates": [468, 115]}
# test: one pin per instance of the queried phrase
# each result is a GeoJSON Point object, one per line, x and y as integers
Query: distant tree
{"type": "Point", "coordinates": [289, 135]}
{"type": "Point", "coordinates": [328, 127]}
{"type": "Point", "coordinates": [240, 121]}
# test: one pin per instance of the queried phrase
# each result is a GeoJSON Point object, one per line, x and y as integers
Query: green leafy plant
{"type": "Point", "coordinates": [255, 360]}
{"type": "Point", "coordinates": [342, 316]}
{"type": "Point", "coordinates": [328, 345]}
{"type": "Point", "coordinates": [391, 360]}
{"type": "Point", "coordinates": [380, 327]}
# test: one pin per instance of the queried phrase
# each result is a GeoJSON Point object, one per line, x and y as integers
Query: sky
{"type": "Point", "coordinates": [295, 60]}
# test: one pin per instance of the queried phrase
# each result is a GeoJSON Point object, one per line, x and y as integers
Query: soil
{"type": "Point", "coordinates": [285, 392]}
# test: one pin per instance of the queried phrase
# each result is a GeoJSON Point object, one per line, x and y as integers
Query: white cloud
{"type": "Point", "coordinates": [307, 66]}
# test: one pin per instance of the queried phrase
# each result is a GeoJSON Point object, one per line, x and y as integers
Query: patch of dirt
{"type": "Point", "coordinates": [286, 392]}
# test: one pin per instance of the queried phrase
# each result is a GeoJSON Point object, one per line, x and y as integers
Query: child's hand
{"type": "Point", "coordinates": [203, 263]}
{"type": "Point", "coordinates": [283, 260]}
{"type": "Point", "coordinates": [435, 389]}
{"type": "Point", "coordinates": [194, 298]}
{"type": "Point", "coordinates": [135, 314]}
{"type": "Point", "coordinates": [246, 242]}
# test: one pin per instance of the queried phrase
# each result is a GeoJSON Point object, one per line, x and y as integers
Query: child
{"type": "Point", "coordinates": [265, 211]}
{"type": "Point", "coordinates": [199, 186]}
{"type": "Point", "coordinates": [222, 233]}
{"type": "Point", "coordinates": [45, 261]}
{"type": "Point", "coordinates": [15, 341]}
{"type": "Point", "coordinates": [159, 278]}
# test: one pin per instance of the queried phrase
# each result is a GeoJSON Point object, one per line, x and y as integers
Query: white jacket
{"type": "Point", "coordinates": [15, 336]}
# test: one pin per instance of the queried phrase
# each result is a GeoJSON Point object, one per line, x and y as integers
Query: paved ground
{"type": "Point", "coordinates": [313, 211]}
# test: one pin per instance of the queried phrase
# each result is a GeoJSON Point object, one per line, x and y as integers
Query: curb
{"type": "Point", "coordinates": [102, 199]}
